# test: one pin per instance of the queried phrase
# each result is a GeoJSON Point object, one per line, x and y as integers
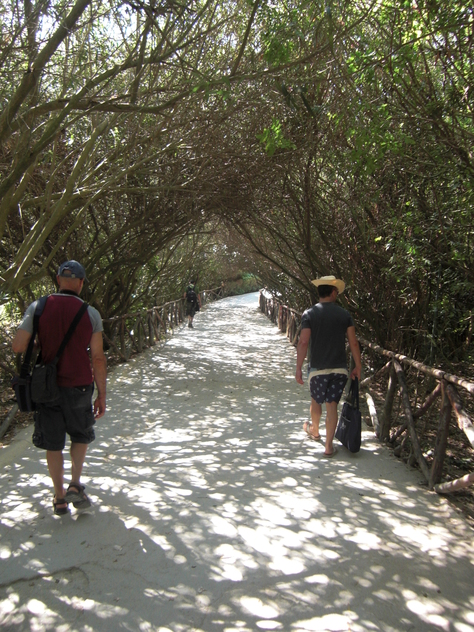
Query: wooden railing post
{"type": "Point", "coordinates": [164, 317]}
{"type": "Point", "coordinates": [160, 323]}
{"type": "Point", "coordinates": [441, 438]}
{"type": "Point", "coordinates": [138, 334]}
{"type": "Point", "coordinates": [411, 422]}
{"type": "Point", "coordinates": [386, 416]}
{"type": "Point", "coordinates": [122, 337]}
{"type": "Point", "coordinates": [151, 338]}
{"type": "Point", "coordinates": [114, 346]}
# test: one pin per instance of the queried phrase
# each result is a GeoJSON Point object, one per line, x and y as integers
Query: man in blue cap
{"type": "Point", "coordinates": [72, 413]}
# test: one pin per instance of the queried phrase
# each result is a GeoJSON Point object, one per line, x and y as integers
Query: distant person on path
{"type": "Point", "coordinates": [327, 325]}
{"type": "Point", "coordinates": [72, 413]}
{"type": "Point", "coordinates": [193, 302]}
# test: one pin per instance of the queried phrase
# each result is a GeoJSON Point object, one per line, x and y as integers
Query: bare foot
{"type": "Point", "coordinates": [307, 429]}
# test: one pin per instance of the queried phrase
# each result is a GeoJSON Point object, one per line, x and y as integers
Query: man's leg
{"type": "Point", "coordinates": [192, 311]}
{"type": "Point", "coordinates": [331, 424]}
{"type": "Point", "coordinates": [78, 455]}
{"type": "Point", "coordinates": [55, 461]}
{"type": "Point", "coordinates": [75, 492]}
{"type": "Point", "coordinates": [316, 410]}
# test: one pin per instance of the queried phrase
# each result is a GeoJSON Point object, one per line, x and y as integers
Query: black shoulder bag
{"type": "Point", "coordinates": [44, 385]}
{"type": "Point", "coordinates": [21, 384]}
{"type": "Point", "coordinates": [349, 427]}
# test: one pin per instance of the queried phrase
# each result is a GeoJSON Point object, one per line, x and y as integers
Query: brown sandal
{"type": "Point", "coordinates": [60, 511]}
{"type": "Point", "coordinates": [77, 496]}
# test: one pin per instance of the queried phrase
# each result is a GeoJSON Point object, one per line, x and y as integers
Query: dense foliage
{"type": "Point", "coordinates": [162, 140]}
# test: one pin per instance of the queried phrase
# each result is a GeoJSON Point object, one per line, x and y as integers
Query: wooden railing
{"type": "Point", "coordinates": [132, 333]}
{"type": "Point", "coordinates": [446, 390]}
{"type": "Point", "coordinates": [287, 319]}
{"type": "Point", "coordinates": [450, 404]}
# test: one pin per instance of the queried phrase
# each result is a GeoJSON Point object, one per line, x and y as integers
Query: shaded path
{"type": "Point", "coordinates": [213, 513]}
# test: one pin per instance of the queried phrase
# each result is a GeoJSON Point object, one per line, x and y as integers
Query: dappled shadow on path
{"type": "Point", "coordinates": [213, 512]}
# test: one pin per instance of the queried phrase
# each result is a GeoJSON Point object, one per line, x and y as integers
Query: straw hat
{"type": "Point", "coordinates": [330, 280]}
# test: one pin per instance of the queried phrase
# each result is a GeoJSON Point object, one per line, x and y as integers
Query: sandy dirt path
{"type": "Point", "coordinates": [213, 513]}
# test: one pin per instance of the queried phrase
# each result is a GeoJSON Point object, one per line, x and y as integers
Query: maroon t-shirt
{"type": "Point", "coordinates": [74, 366]}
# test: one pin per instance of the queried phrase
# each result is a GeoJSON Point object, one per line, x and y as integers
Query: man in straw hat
{"type": "Point", "coordinates": [326, 325]}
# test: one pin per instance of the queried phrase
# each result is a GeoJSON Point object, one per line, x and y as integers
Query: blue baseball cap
{"type": "Point", "coordinates": [72, 270]}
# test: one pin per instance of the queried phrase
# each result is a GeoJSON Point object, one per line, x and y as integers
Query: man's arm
{"type": "Point", "coordinates": [99, 364]}
{"type": "Point", "coordinates": [20, 341]}
{"type": "Point", "coordinates": [301, 352]}
{"type": "Point", "coordinates": [355, 350]}
{"type": "Point", "coordinates": [25, 330]}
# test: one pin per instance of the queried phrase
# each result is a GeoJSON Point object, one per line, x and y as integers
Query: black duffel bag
{"type": "Point", "coordinates": [21, 384]}
{"type": "Point", "coordinates": [349, 427]}
{"type": "Point", "coordinates": [22, 388]}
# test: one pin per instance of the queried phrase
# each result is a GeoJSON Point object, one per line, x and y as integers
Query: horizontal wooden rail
{"type": "Point", "coordinates": [427, 370]}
